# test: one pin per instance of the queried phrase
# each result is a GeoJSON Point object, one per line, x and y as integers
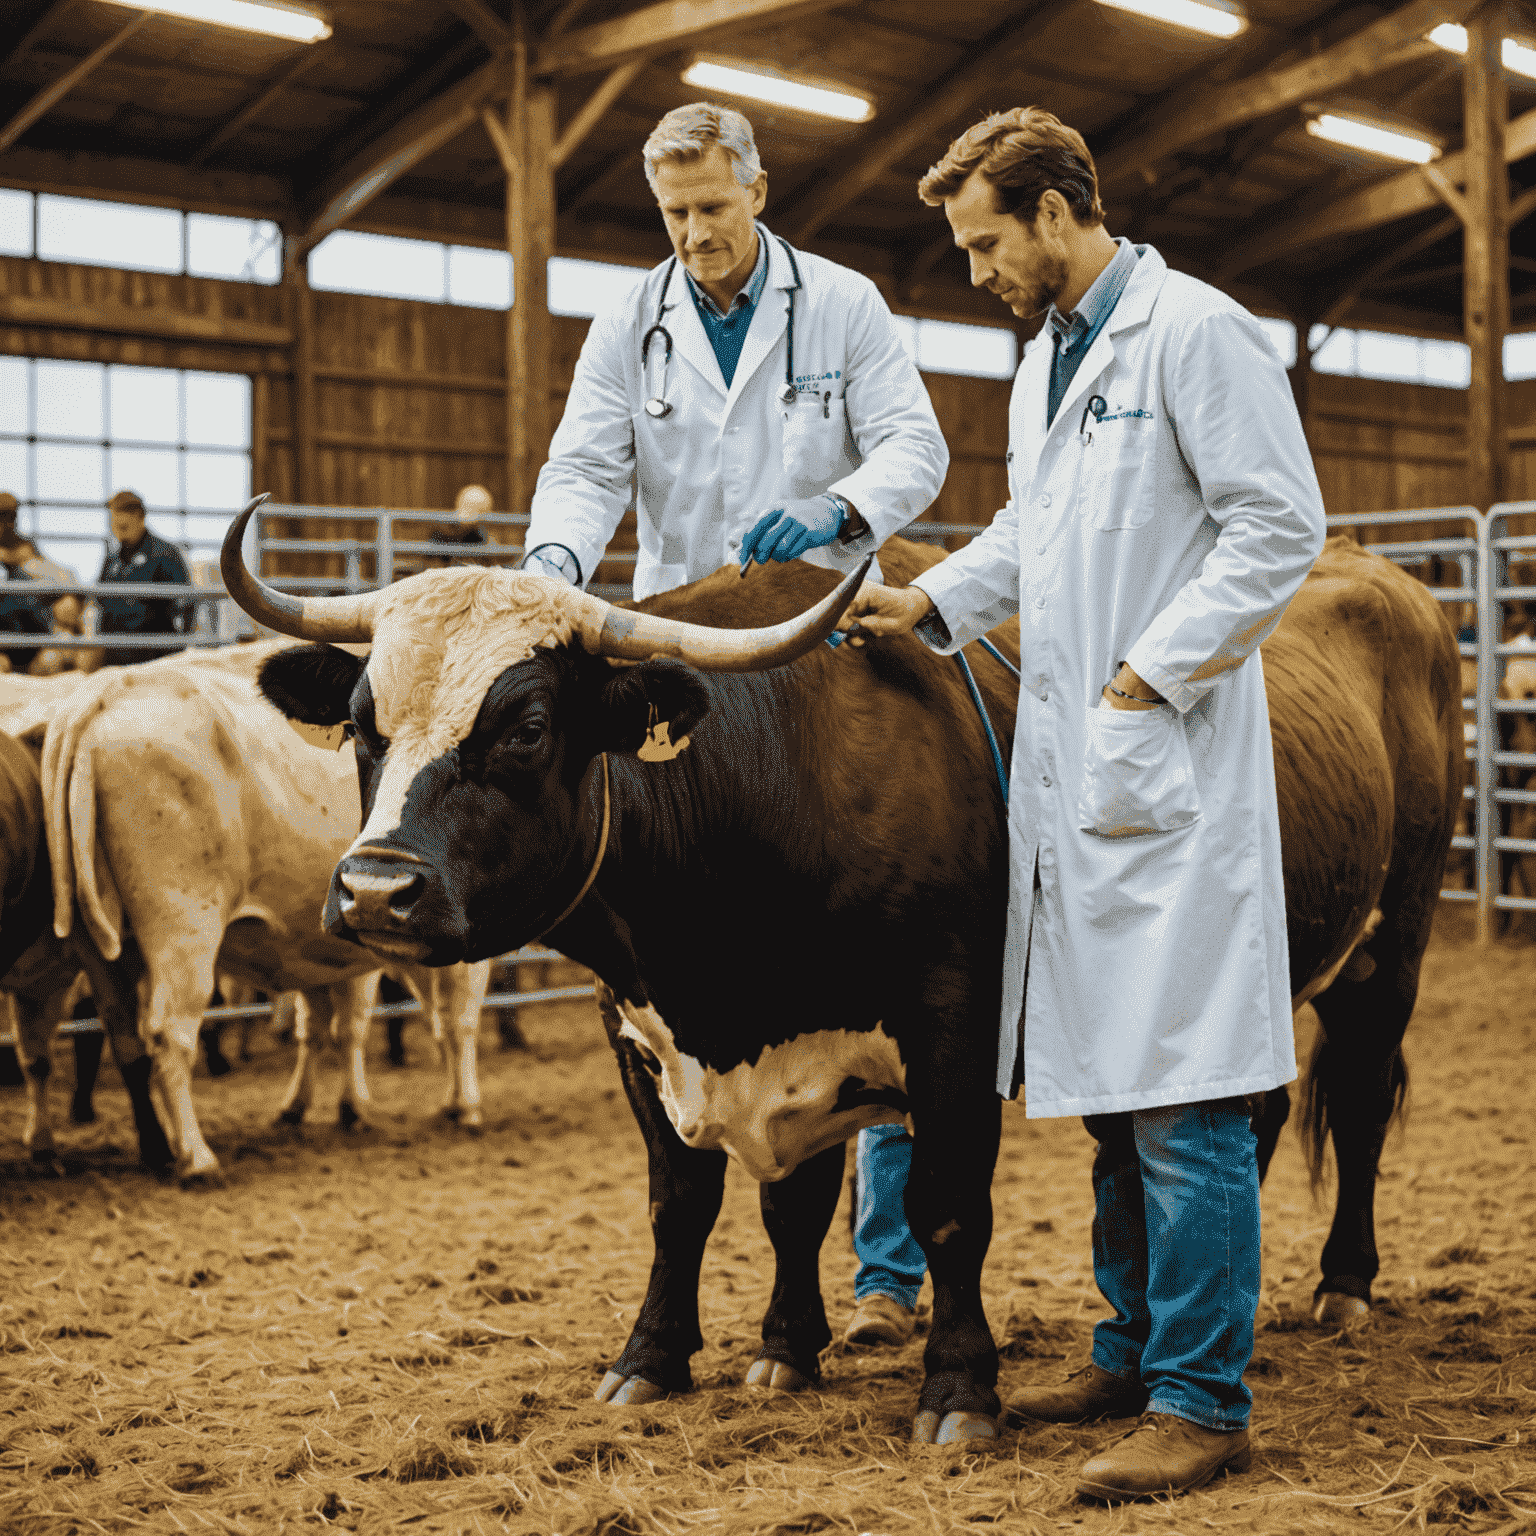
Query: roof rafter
{"type": "Point", "coordinates": [1392, 40]}
{"type": "Point", "coordinates": [888, 141]}
{"type": "Point", "coordinates": [483, 22]}
{"type": "Point", "coordinates": [352, 186]}
{"type": "Point", "coordinates": [1383, 202]}
{"type": "Point", "coordinates": [51, 94]}
{"type": "Point", "coordinates": [660, 28]}
{"type": "Point", "coordinates": [255, 106]}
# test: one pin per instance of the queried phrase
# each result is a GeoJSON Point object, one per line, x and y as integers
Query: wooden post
{"type": "Point", "coordinates": [1485, 283]}
{"type": "Point", "coordinates": [261, 433]}
{"type": "Point", "coordinates": [531, 241]}
{"type": "Point", "coordinates": [306, 486]}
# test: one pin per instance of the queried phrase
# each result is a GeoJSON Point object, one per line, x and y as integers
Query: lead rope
{"type": "Point", "coordinates": [602, 848]}
{"type": "Point", "coordinates": [986, 719]}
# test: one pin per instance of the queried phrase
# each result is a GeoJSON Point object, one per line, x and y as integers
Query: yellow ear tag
{"type": "Point", "coordinates": [658, 746]}
{"type": "Point", "coordinates": [327, 737]}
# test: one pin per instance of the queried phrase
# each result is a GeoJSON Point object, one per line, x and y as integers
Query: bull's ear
{"type": "Point", "coordinates": [311, 683]}
{"type": "Point", "coordinates": [651, 694]}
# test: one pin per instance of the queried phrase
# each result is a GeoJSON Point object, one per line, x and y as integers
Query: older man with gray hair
{"type": "Point", "coordinates": [759, 399]}
{"type": "Point", "coordinates": [760, 402]}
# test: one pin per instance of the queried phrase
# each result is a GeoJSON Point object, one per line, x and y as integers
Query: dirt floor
{"type": "Point", "coordinates": [402, 1329]}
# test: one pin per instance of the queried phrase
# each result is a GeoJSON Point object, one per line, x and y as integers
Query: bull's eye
{"type": "Point", "coordinates": [529, 734]}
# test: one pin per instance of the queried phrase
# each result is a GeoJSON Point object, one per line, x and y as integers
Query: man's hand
{"type": "Point", "coordinates": [877, 611]}
{"type": "Point", "coordinates": [1145, 696]}
{"type": "Point", "coordinates": [787, 531]}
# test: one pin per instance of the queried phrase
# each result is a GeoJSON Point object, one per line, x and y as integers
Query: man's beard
{"type": "Point", "coordinates": [1050, 280]}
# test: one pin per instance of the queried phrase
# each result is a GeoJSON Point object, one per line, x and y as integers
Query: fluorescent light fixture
{"type": "Point", "coordinates": [1519, 59]}
{"type": "Point", "coordinates": [1214, 21]}
{"type": "Point", "coordinates": [781, 92]}
{"type": "Point", "coordinates": [275, 20]}
{"type": "Point", "coordinates": [1372, 138]}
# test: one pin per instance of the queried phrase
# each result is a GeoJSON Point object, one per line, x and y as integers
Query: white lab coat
{"type": "Point", "coordinates": [862, 425]}
{"type": "Point", "coordinates": [1154, 947]}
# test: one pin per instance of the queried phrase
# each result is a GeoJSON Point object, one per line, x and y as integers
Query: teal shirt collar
{"type": "Point", "coordinates": [1095, 306]}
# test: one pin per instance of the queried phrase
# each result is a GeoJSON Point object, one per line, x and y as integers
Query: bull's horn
{"type": "Point", "coordinates": [625, 634]}
{"type": "Point", "coordinates": [305, 618]}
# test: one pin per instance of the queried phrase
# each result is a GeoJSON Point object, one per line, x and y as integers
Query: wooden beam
{"type": "Point", "coordinates": [531, 241]}
{"type": "Point", "coordinates": [1522, 208]}
{"type": "Point", "coordinates": [350, 188]}
{"type": "Point", "coordinates": [303, 416]}
{"type": "Point", "coordinates": [483, 22]}
{"type": "Point", "coordinates": [256, 105]}
{"type": "Point", "coordinates": [44, 23]}
{"type": "Point", "coordinates": [593, 109]}
{"type": "Point", "coordinates": [563, 18]}
{"type": "Point", "coordinates": [1189, 119]}
{"type": "Point", "coordinates": [896, 135]}
{"type": "Point", "coordinates": [1446, 192]}
{"type": "Point", "coordinates": [1383, 202]}
{"type": "Point", "coordinates": [661, 28]}
{"type": "Point", "coordinates": [497, 134]}
{"type": "Point", "coordinates": [130, 320]}
{"type": "Point", "coordinates": [1485, 281]}
{"type": "Point", "coordinates": [1417, 279]}
{"type": "Point", "coordinates": [50, 94]}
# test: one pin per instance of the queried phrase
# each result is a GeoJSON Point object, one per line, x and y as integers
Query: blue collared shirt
{"type": "Point", "coordinates": [1077, 332]}
{"type": "Point", "coordinates": [727, 332]}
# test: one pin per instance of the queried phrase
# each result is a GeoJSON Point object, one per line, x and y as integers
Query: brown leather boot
{"type": "Point", "coordinates": [1163, 1454]}
{"type": "Point", "coordinates": [1087, 1394]}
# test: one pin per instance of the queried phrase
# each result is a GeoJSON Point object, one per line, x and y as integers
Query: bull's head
{"type": "Point", "coordinates": [478, 716]}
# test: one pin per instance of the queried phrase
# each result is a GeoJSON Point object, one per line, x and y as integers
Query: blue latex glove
{"type": "Point", "coordinates": [786, 532]}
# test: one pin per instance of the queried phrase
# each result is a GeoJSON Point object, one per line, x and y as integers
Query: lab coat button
{"type": "Point", "coordinates": [1044, 780]}
{"type": "Point", "coordinates": [1039, 549]}
{"type": "Point", "coordinates": [1045, 500]}
{"type": "Point", "coordinates": [1039, 602]}
{"type": "Point", "coordinates": [1010, 455]}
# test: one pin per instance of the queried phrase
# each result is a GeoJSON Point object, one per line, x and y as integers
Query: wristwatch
{"type": "Point", "coordinates": [553, 560]}
{"type": "Point", "coordinates": [853, 526]}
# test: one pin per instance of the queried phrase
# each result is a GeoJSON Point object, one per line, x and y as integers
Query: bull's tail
{"type": "Point", "coordinates": [1318, 1111]}
{"type": "Point", "coordinates": [80, 871]}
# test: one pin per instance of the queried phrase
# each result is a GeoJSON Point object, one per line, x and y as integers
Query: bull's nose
{"type": "Point", "coordinates": [372, 900]}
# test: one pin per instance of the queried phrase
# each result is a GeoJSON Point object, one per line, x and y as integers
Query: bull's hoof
{"type": "Point", "coordinates": [628, 1390]}
{"type": "Point", "coordinates": [953, 1429]}
{"type": "Point", "coordinates": [194, 1175]}
{"type": "Point", "coordinates": [293, 1115]}
{"type": "Point", "coordinates": [777, 1376]}
{"type": "Point", "coordinates": [349, 1118]}
{"type": "Point", "coordinates": [82, 1112]}
{"type": "Point", "coordinates": [1336, 1310]}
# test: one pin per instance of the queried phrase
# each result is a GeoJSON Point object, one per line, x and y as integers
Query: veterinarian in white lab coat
{"type": "Point", "coordinates": [1163, 512]}
{"type": "Point", "coordinates": [743, 435]}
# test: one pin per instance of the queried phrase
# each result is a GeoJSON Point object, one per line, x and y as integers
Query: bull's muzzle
{"type": "Point", "coordinates": [372, 898]}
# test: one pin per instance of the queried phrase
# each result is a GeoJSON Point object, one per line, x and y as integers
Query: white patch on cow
{"type": "Point", "coordinates": [440, 640]}
{"type": "Point", "coordinates": [774, 1113]}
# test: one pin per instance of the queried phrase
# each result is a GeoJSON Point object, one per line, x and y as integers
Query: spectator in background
{"type": "Point", "coordinates": [140, 557]}
{"type": "Point", "coordinates": [23, 614]}
{"type": "Point", "coordinates": [471, 504]}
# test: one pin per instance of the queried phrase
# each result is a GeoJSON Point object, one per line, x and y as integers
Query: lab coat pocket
{"type": "Point", "coordinates": [1117, 472]}
{"type": "Point", "coordinates": [816, 450]}
{"type": "Point", "coordinates": [1137, 774]}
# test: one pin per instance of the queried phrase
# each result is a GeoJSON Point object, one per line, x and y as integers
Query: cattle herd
{"type": "Point", "coordinates": [786, 864]}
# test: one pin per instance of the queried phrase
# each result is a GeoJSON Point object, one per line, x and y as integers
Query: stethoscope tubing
{"type": "Point", "coordinates": [658, 405]}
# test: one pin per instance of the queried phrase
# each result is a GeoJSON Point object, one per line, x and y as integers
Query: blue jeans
{"type": "Point", "coordinates": [1176, 1254]}
{"type": "Point", "coordinates": [890, 1260]}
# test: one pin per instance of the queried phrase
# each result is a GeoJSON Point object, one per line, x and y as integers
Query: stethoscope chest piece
{"type": "Point", "coordinates": [658, 407]}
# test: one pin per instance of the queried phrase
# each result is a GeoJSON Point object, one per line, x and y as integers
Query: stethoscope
{"type": "Point", "coordinates": [658, 405]}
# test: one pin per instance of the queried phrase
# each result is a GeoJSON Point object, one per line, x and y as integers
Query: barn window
{"type": "Point", "coordinates": [73, 433]}
{"type": "Point", "coordinates": [940, 346]}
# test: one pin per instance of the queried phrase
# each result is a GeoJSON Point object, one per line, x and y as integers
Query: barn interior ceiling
{"type": "Point", "coordinates": [1202, 142]}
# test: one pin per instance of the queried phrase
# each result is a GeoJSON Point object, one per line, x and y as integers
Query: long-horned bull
{"type": "Point", "coordinates": [797, 922]}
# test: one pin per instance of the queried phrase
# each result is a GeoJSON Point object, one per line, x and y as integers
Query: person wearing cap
{"type": "Point", "coordinates": [140, 556]}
